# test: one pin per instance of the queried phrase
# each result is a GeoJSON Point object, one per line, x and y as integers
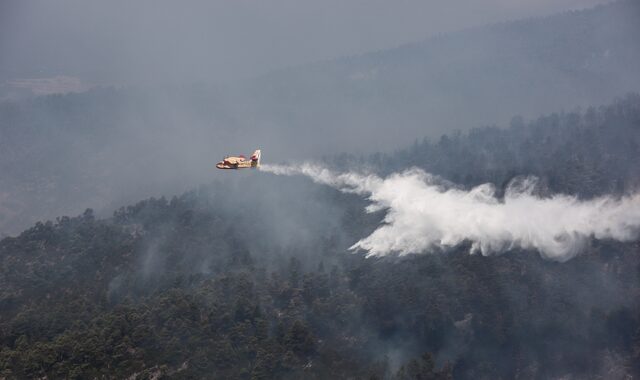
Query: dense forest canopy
{"type": "Point", "coordinates": [251, 277]}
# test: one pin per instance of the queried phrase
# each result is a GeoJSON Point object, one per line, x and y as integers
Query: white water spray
{"type": "Point", "coordinates": [423, 215]}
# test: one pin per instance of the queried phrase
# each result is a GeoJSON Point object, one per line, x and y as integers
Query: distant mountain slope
{"type": "Point", "coordinates": [474, 77]}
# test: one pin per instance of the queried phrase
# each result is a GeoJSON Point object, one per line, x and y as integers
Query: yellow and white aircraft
{"type": "Point", "coordinates": [240, 162]}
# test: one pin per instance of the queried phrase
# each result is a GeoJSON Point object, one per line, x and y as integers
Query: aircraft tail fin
{"type": "Point", "coordinates": [255, 158]}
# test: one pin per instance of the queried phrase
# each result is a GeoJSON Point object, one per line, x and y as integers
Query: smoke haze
{"type": "Point", "coordinates": [168, 42]}
{"type": "Point", "coordinates": [423, 214]}
{"type": "Point", "coordinates": [458, 195]}
{"type": "Point", "coordinates": [173, 88]}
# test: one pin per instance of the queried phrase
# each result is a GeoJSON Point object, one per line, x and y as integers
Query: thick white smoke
{"type": "Point", "coordinates": [424, 215]}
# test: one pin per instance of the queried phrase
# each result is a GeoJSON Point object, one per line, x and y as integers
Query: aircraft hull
{"type": "Point", "coordinates": [240, 165]}
{"type": "Point", "coordinates": [240, 162]}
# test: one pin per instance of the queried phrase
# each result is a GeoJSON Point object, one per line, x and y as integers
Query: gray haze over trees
{"type": "Point", "coordinates": [250, 277]}
{"type": "Point", "coordinates": [492, 174]}
{"type": "Point", "coordinates": [112, 145]}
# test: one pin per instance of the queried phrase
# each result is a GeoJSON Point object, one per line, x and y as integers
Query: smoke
{"type": "Point", "coordinates": [425, 214]}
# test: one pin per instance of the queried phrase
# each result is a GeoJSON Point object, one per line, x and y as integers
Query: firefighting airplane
{"type": "Point", "coordinates": [240, 162]}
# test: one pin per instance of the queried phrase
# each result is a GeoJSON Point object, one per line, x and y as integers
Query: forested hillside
{"type": "Point", "coordinates": [251, 277]}
{"type": "Point", "coordinates": [587, 152]}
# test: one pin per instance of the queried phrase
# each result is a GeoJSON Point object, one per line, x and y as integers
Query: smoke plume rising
{"type": "Point", "coordinates": [423, 214]}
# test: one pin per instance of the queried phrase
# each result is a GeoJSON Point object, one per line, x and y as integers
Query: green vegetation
{"type": "Point", "coordinates": [219, 284]}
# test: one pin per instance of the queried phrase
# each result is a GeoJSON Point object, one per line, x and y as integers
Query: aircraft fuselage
{"type": "Point", "coordinates": [240, 162]}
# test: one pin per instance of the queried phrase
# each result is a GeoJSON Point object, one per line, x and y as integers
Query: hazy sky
{"type": "Point", "coordinates": [186, 41]}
